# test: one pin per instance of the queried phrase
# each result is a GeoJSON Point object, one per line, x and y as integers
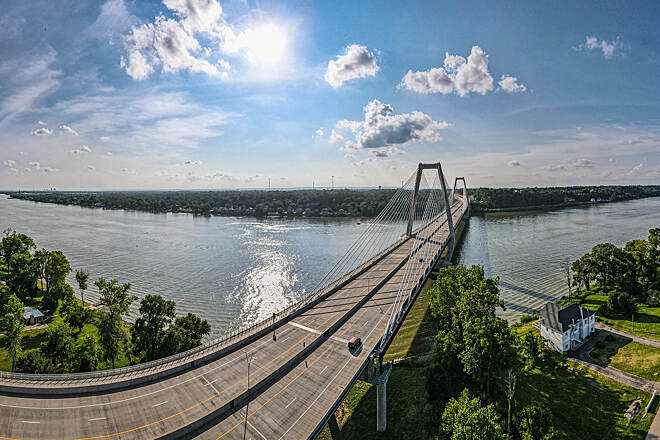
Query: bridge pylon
{"type": "Point", "coordinates": [378, 374]}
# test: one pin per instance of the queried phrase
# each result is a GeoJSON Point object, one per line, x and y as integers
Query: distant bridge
{"type": "Point", "coordinates": [282, 378]}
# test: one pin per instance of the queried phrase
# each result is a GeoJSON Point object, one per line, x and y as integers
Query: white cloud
{"type": "Point", "coordinates": [457, 75]}
{"type": "Point", "coordinates": [49, 170]}
{"type": "Point", "coordinates": [34, 165]}
{"type": "Point", "coordinates": [82, 150]}
{"type": "Point", "coordinates": [319, 132]}
{"type": "Point", "coordinates": [91, 167]}
{"type": "Point", "coordinates": [608, 48]}
{"type": "Point", "coordinates": [514, 163]}
{"type": "Point", "coordinates": [636, 170]}
{"type": "Point", "coordinates": [335, 138]}
{"type": "Point", "coordinates": [9, 163]}
{"type": "Point", "coordinates": [192, 162]}
{"type": "Point", "coordinates": [42, 123]}
{"type": "Point", "coordinates": [381, 128]}
{"type": "Point", "coordinates": [104, 138]}
{"type": "Point", "coordinates": [113, 20]}
{"type": "Point", "coordinates": [357, 62]}
{"type": "Point", "coordinates": [42, 132]}
{"type": "Point", "coordinates": [67, 129]}
{"type": "Point", "coordinates": [510, 84]}
{"type": "Point", "coordinates": [583, 163]}
{"type": "Point", "coordinates": [108, 153]}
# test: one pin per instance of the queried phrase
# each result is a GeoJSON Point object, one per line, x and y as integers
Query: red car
{"type": "Point", "coordinates": [354, 343]}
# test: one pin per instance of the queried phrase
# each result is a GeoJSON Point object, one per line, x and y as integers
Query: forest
{"type": "Point", "coordinates": [325, 202]}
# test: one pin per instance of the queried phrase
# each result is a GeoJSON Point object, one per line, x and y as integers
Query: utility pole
{"type": "Point", "coordinates": [249, 360]}
{"type": "Point", "coordinates": [269, 184]}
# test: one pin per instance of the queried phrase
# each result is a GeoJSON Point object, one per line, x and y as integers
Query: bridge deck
{"type": "Point", "coordinates": [288, 406]}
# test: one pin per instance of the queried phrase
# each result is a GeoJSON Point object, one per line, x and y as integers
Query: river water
{"type": "Point", "coordinates": [235, 271]}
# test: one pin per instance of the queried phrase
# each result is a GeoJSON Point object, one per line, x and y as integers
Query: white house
{"type": "Point", "coordinates": [564, 327]}
{"type": "Point", "coordinates": [32, 316]}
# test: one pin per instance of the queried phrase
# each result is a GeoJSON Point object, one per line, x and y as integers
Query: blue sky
{"type": "Point", "coordinates": [207, 94]}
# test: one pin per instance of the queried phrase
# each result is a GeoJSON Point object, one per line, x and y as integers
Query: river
{"type": "Point", "coordinates": [235, 271]}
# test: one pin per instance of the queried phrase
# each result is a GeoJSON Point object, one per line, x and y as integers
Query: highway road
{"type": "Point", "coordinates": [290, 407]}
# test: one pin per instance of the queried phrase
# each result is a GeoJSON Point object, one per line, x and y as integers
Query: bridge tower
{"type": "Point", "coordinates": [466, 195]}
{"type": "Point", "coordinates": [413, 204]}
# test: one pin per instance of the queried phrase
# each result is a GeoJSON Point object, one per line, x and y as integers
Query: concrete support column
{"type": "Point", "coordinates": [381, 407]}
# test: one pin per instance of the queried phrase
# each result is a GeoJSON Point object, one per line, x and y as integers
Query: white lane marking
{"type": "Point", "coordinates": [323, 369]}
{"type": "Point", "coordinates": [294, 399]}
{"type": "Point", "coordinates": [128, 399]}
{"type": "Point", "coordinates": [328, 385]}
{"type": "Point", "coordinates": [367, 322]}
{"type": "Point", "coordinates": [313, 330]}
{"type": "Point", "coordinates": [256, 430]}
{"type": "Point", "coordinates": [98, 418]}
{"type": "Point", "coordinates": [29, 421]}
{"type": "Point", "coordinates": [211, 384]}
{"type": "Point", "coordinates": [159, 404]}
{"type": "Point", "coordinates": [283, 340]}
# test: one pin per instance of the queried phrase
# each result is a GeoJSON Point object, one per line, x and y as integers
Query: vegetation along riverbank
{"type": "Point", "coordinates": [326, 203]}
{"type": "Point", "coordinates": [73, 337]}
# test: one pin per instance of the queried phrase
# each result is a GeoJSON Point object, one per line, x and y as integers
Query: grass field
{"type": "Point", "coordinates": [623, 354]}
{"type": "Point", "coordinates": [647, 319]}
{"type": "Point", "coordinates": [31, 341]}
{"type": "Point", "coordinates": [584, 404]}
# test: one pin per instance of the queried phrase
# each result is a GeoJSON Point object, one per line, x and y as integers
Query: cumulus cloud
{"type": "Point", "coordinates": [356, 62]}
{"type": "Point", "coordinates": [42, 132]}
{"type": "Point", "coordinates": [34, 165]}
{"type": "Point", "coordinates": [91, 167]}
{"type": "Point", "coordinates": [510, 84]}
{"type": "Point", "coordinates": [583, 163]}
{"type": "Point", "coordinates": [607, 48]}
{"type": "Point", "coordinates": [335, 137]}
{"type": "Point", "coordinates": [104, 138]}
{"type": "Point", "coordinates": [67, 129]}
{"type": "Point", "coordinates": [381, 128]}
{"type": "Point", "coordinates": [42, 123]}
{"type": "Point", "coordinates": [49, 170]}
{"type": "Point", "coordinates": [9, 163]}
{"type": "Point", "coordinates": [577, 164]}
{"type": "Point", "coordinates": [173, 44]}
{"type": "Point", "coordinates": [514, 163]}
{"type": "Point", "coordinates": [192, 162]}
{"type": "Point", "coordinates": [319, 132]}
{"type": "Point", "coordinates": [457, 75]}
{"type": "Point", "coordinates": [82, 150]}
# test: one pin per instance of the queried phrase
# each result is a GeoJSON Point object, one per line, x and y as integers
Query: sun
{"type": "Point", "coordinates": [266, 44]}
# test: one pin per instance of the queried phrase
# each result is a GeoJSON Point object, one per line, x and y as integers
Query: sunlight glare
{"type": "Point", "coordinates": [266, 44]}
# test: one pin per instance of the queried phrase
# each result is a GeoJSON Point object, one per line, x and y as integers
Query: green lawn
{"type": "Point", "coordinates": [647, 319]}
{"type": "Point", "coordinates": [31, 341]}
{"type": "Point", "coordinates": [585, 404]}
{"type": "Point", "coordinates": [406, 400]}
{"type": "Point", "coordinates": [623, 354]}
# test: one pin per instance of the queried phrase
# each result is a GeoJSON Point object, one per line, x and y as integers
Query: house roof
{"type": "Point", "coordinates": [29, 311]}
{"type": "Point", "coordinates": [561, 318]}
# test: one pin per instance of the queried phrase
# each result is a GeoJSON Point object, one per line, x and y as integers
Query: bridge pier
{"type": "Point", "coordinates": [378, 375]}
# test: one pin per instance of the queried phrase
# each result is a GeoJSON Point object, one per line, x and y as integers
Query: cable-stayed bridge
{"type": "Point", "coordinates": [281, 378]}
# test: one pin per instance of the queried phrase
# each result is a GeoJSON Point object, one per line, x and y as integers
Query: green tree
{"type": "Point", "coordinates": [12, 325]}
{"type": "Point", "coordinates": [81, 279]}
{"type": "Point", "coordinates": [35, 362]}
{"type": "Point", "coordinates": [147, 333]}
{"type": "Point", "coordinates": [39, 260]}
{"type": "Point", "coordinates": [55, 270]}
{"type": "Point", "coordinates": [59, 344]}
{"type": "Point", "coordinates": [74, 313]}
{"type": "Point", "coordinates": [619, 304]}
{"type": "Point", "coordinates": [87, 352]}
{"type": "Point", "coordinates": [187, 332]}
{"type": "Point", "coordinates": [14, 243]}
{"type": "Point", "coordinates": [22, 279]}
{"type": "Point", "coordinates": [115, 301]}
{"type": "Point", "coordinates": [466, 419]}
{"type": "Point", "coordinates": [535, 423]}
